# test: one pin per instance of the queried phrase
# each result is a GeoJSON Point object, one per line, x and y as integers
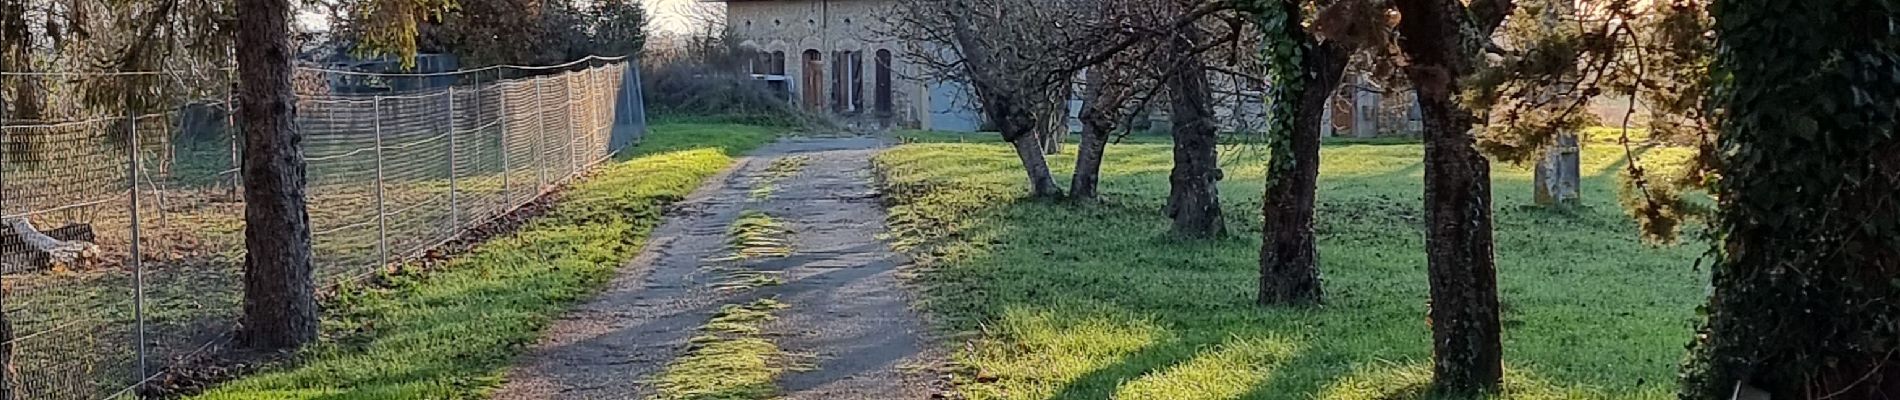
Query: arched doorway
{"type": "Point", "coordinates": [847, 82]}
{"type": "Point", "coordinates": [883, 91]}
{"type": "Point", "coordinates": [812, 81]}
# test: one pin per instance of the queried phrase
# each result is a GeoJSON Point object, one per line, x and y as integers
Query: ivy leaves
{"type": "Point", "coordinates": [1806, 95]}
{"type": "Point", "coordinates": [1284, 44]}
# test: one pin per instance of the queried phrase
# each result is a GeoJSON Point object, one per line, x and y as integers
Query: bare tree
{"type": "Point", "coordinates": [1009, 52]}
{"type": "Point", "coordinates": [1111, 93]}
{"type": "Point", "coordinates": [1198, 46]}
{"type": "Point", "coordinates": [1018, 57]}
{"type": "Point", "coordinates": [1054, 126]}
{"type": "Point", "coordinates": [1124, 80]}
{"type": "Point", "coordinates": [1133, 75]}
{"type": "Point", "coordinates": [1194, 183]}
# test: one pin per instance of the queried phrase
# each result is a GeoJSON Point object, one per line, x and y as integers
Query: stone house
{"type": "Point", "coordinates": [1364, 108]}
{"type": "Point", "coordinates": [837, 56]}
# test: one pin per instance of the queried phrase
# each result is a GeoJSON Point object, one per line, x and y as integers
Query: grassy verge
{"type": "Point", "coordinates": [451, 332]}
{"type": "Point", "coordinates": [1063, 301]}
{"type": "Point", "coordinates": [669, 137]}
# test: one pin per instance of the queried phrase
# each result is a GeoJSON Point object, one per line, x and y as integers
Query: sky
{"type": "Point", "coordinates": [663, 15]}
{"type": "Point", "coordinates": [669, 15]}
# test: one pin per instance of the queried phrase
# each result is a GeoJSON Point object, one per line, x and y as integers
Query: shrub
{"type": "Point", "coordinates": [707, 75]}
{"type": "Point", "coordinates": [689, 89]}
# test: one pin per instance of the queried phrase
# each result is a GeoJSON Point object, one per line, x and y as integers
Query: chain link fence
{"type": "Point", "coordinates": [122, 252]}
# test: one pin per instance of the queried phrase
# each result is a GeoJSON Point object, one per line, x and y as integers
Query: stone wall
{"type": "Point", "coordinates": [797, 31]}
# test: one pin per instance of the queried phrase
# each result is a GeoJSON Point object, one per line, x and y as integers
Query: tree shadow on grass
{"type": "Point", "coordinates": [1622, 163]}
{"type": "Point", "coordinates": [1101, 383]}
{"type": "Point", "coordinates": [1593, 285]}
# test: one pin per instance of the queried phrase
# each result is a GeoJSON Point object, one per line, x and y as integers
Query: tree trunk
{"type": "Point", "coordinates": [1467, 356]}
{"type": "Point", "coordinates": [1194, 190]}
{"type": "Point", "coordinates": [1289, 255]}
{"type": "Point", "coordinates": [1018, 127]}
{"type": "Point", "coordinates": [1042, 184]}
{"type": "Point", "coordinates": [1014, 111]}
{"type": "Point", "coordinates": [1088, 162]}
{"type": "Point", "coordinates": [23, 248]}
{"type": "Point", "coordinates": [1097, 123]}
{"type": "Point", "coordinates": [15, 56]}
{"type": "Point", "coordinates": [1804, 302]}
{"type": "Point", "coordinates": [1053, 124]}
{"type": "Point", "coordinates": [280, 310]}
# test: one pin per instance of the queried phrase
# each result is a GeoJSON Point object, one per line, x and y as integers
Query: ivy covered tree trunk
{"type": "Point", "coordinates": [280, 310]}
{"type": "Point", "coordinates": [1806, 300]}
{"type": "Point", "coordinates": [1305, 74]}
{"type": "Point", "coordinates": [1441, 43]}
{"type": "Point", "coordinates": [1194, 190]}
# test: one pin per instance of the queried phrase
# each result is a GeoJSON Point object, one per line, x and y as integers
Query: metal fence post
{"type": "Point", "coordinates": [588, 112]}
{"type": "Point", "coordinates": [382, 223]}
{"type": "Point", "coordinates": [636, 105]}
{"type": "Point", "coordinates": [626, 93]}
{"type": "Point", "coordinates": [502, 117]}
{"type": "Point", "coordinates": [481, 131]}
{"type": "Point", "coordinates": [592, 116]}
{"type": "Point", "coordinates": [573, 166]}
{"type": "Point", "coordinates": [138, 264]}
{"type": "Point", "coordinates": [455, 211]}
{"type": "Point", "coordinates": [567, 123]}
{"type": "Point", "coordinates": [593, 112]}
{"type": "Point", "coordinates": [540, 122]}
{"type": "Point", "coordinates": [604, 101]}
{"type": "Point", "coordinates": [230, 126]}
{"type": "Point", "coordinates": [4, 145]}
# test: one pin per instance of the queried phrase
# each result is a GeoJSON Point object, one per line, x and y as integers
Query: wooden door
{"type": "Point", "coordinates": [883, 91]}
{"type": "Point", "coordinates": [812, 81]}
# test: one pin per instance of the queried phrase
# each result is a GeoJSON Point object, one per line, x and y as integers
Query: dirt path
{"type": "Point", "coordinates": [846, 310]}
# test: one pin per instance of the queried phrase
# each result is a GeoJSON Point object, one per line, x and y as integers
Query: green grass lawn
{"type": "Point", "coordinates": [1065, 301]}
{"type": "Point", "coordinates": [452, 332]}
